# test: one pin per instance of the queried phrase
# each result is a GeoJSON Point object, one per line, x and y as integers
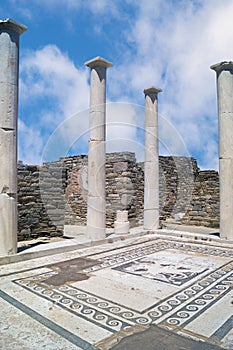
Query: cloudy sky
{"type": "Point", "coordinates": [165, 43]}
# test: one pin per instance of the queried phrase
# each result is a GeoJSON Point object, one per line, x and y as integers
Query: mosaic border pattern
{"type": "Point", "coordinates": [177, 309]}
{"type": "Point", "coordinates": [114, 317]}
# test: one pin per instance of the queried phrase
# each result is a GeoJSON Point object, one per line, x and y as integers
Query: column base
{"type": "Point", "coordinates": [121, 228]}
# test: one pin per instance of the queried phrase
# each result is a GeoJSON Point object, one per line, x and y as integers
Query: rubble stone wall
{"type": "Point", "coordinates": [204, 205]}
{"type": "Point", "coordinates": [41, 200]}
{"type": "Point", "coordinates": [55, 194]}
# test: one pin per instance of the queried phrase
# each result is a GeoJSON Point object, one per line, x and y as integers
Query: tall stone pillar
{"type": "Point", "coordinates": [151, 165]}
{"type": "Point", "coordinates": [9, 71]}
{"type": "Point", "coordinates": [96, 202]}
{"type": "Point", "coordinates": [224, 71]}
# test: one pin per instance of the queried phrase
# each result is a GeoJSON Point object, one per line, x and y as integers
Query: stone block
{"type": "Point", "coordinates": [9, 42]}
{"type": "Point", "coordinates": [126, 199]}
{"type": "Point", "coordinates": [225, 89]}
{"type": "Point", "coordinates": [120, 167]}
{"type": "Point", "coordinates": [97, 130]}
{"type": "Point", "coordinates": [226, 131]}
{"type": "Point", "coordinates": [122, 215]}
{"type": "Point", "coordinates": [8, 225]}
{"type": "Point", "coordinates": [96, 218]}
{"type": "Point", "coordinates": [151, 144]}
{"type": "Point", "coordinates": [151, 174]}
{"type": "Point", "coordinates": [226, 198]}
{"type": "Point", "coordinates": [8, 106]}
{"type": "Point", "coordinates": [96, 169]}
{"type": "Point", "coordinates": [151, 219]}
{"type": "Point", "coordinates": [151, 119]}
{"type": "Point", "coordinates": [121, 228]}
{"type": "Point", "coordinates": [151, 199]}
{"type": "Point", "coordinates": [98, 89]}
{"type": "Point", "coordinates": [179, 216]}
{"type": "Point", "coordinates": [8, 161]}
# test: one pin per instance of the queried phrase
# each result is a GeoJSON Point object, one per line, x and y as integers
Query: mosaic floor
{"type": "Point", "coordinates": [182, 286]}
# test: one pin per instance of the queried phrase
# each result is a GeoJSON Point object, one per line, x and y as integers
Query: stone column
{"type": "Point", "coordinates": [224, 71]}
{"type": "Point", "coordinates": [96, 207]}
{"type": "Point", "coordinates": [9, 71]}
{"type": "Point", "coordinates": [151, 164]}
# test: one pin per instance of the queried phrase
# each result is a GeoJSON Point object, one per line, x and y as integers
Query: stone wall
{"type": "Point", "coordinates": [204, 205]}
{"type": "Point", "coordinates": [76, 190]}
{"type": "Point", "coordinates": [41, 200]}
{"type": "Point", "coordinates": [176, 183]}
{"type": "Point", "coordinates": [124, 188]}
{"type": "Point", "coordinates": [56, 193]}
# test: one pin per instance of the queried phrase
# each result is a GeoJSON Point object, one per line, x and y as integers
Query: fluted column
{"type": "Point", "coordinates": [151, 164]}
{"type": "Point", "coordinates": [9, 72]}
{"type": "Point", "coordinates": [224, 71]}
{"type": "Point", "coordinates": [96, 202]}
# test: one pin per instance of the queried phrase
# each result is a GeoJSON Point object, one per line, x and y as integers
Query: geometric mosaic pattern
{"type": "Point", "coordinates": [192, 297]}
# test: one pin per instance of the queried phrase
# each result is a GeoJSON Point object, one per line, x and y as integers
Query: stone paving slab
{"type": "Point", "coordinates": [82, 298]}
{"type": "Point", "coordinates": [188, 228]}
{"type": "Point", "coordinates": [156, 338]}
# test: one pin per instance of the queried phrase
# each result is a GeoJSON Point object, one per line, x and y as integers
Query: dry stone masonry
{"type": "Point", "coordinates": [41, 200]}
{"type": "Point", "coordinates": [123, 180]}
{"type": "Point", "coordinates": [76, 191]}
{"type": "Point", "coordinates": [55, 194]}
{"type": "Point", "coordinates": [204, 205]}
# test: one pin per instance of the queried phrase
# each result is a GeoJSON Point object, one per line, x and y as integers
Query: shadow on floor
{"type": "Point", "coordinates": [157, 338]}
{"type": "Point", "coordinates": [36, 243]}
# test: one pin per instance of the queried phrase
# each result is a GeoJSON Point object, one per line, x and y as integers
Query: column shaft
{"type": "Point", "coordinates": [96, 207]}
{"type": "Point", "coordinates": [151, 164]}
{"type": "Point", "coordinates": [9, 68]}
{"type": "Point", "coordinates": [224, 72]}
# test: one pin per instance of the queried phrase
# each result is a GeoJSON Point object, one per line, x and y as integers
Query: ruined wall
{"type": "Point", "coordinates": [56, 193]}
{"type": "Point", "coordinates": [177, 179]}
{"type": "Point", "coordinates": [41, 200]}
{"type": "Point", "coordinates": [204, 205]}
{"type": "Point", "coordinates": [124, 188]}
{"type": "Point", "coordinates": [76, 190]}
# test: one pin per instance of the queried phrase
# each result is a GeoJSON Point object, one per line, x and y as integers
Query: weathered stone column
{"type": "Point", "coordinates": [224, 72]}
{"type": "Point", "coordinates": [9, 71]}
{"type": "Point", "coordinates": [151, 165]}
{"type": "Point", "coordinates": [96, 207]}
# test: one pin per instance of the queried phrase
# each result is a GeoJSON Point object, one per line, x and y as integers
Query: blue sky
{"type": "Point", "coordinates": [166, 43]}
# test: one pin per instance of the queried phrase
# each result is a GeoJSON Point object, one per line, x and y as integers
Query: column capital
{"type": "Point", "coordinates": [225, 65]}
{"type": "Point", "coordinates": [98, 62]}
{"type": "Point", "coordinates": [152, 90]}
{"type": "Point", "coordinates": [9, 23]}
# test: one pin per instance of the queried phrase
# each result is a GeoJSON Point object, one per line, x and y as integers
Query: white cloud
{"type": "Point", "coordinates": [123, 121]}
{"type": "Point", "coordinates": [49, 72]}
{"type": "Point", "coordinates": [169, 44]}
{"type": "Point", "coordinates": [50, 79]}
{"type": "Point", "coordinates": [31, 144]}
{"type": "Point", "coordinates": [173, 46]}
